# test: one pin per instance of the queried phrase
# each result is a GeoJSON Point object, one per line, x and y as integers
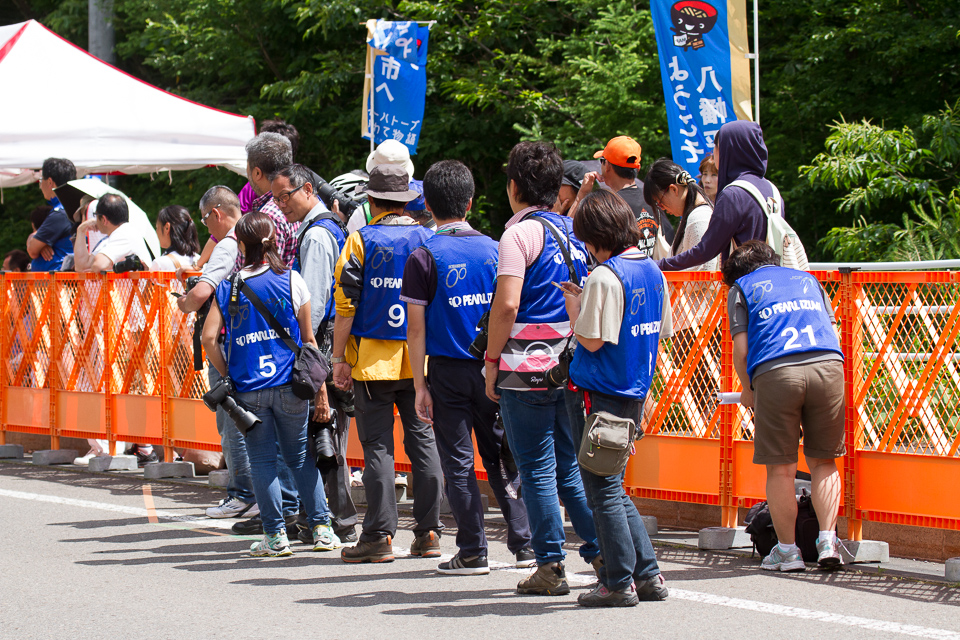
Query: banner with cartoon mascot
{"type": "Point", "coordinates": [706, 76]}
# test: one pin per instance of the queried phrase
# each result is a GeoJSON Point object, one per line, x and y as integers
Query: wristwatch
{"type": "Point", "coordinates": [338, 360]}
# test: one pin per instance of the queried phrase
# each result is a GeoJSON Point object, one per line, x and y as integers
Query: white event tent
{"type": "Point", "coordinates": [60, 101]}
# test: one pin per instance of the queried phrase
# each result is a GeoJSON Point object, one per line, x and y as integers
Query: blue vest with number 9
{"type": "Point", "coordinates": [786, 315]}
{"type": "Point", "coordinates": [260, 359]}
{"type": "Point", "coordinates": [380, 313]}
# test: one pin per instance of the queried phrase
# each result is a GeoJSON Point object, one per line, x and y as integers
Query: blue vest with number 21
{"type": "Point", "coordinates": [786, 315]}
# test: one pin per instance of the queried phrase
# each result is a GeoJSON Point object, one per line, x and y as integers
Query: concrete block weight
{"type": "Point", "coordinates": [852, 551]}
{"type": "Point", "coordinates": [55, 456]}
{"type": "Point", "coordinates": [359, 494]}
{"type": "Point", "coordinates": [219, 478]}
{"type": "Point", "coordinates": [157, 470]}
{"type": "Point", "coordinates": [650, 524]}
{"type": "Point", "coordinates": [952, 570]}
{"type": "Point", "coordinates": [11, 451]}
{"type": "Point", "coordinates": [723, 538]}
{"type": "Point", "coordinates": [113, 463]}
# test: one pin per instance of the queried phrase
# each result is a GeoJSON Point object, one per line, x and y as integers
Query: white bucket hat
{"type": "Point", "coordinates": [391, 152]}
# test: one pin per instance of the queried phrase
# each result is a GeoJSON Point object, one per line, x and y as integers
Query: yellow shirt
{"type": "Point", "coordinates": [371, 359]}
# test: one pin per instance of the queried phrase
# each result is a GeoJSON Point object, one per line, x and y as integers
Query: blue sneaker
{"type": "Point", "coordinates": [778, 560]}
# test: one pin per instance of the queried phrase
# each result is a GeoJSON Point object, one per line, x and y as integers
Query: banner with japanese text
{"type": "Point", "coordinates": [702, 46]}
{"type": "Point", "coordinates": [395, 83]}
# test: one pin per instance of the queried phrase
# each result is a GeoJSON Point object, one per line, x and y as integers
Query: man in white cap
{"type": "Point", "coordinates": [389, 152]}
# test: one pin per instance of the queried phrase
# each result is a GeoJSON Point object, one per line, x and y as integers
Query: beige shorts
{"type": "Point", "coordinates": [810, 395]}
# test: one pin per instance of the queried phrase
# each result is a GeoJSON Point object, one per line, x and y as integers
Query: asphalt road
{"type": "Point", "coordinates": [94, 556]}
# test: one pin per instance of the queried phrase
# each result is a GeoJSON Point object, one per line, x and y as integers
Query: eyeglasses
{"type": "Point", "coordinates": [203, 219]}
{"type": "Point", "coordinates": [603, 161]}
{"type": "Point", "coordinates": [284, 198]}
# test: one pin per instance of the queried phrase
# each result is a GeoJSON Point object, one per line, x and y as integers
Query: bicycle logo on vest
{"type": "Point", "coordinates": [381, 256]}
{"type": "Point", "coordinates": [760, 288]}
{"type": "Point", "coordinates": [639, 298]}
{"type": "Point", "coordinates": [457, 272]}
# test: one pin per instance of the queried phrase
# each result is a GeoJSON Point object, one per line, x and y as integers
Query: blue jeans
{"type": "Point", "coordinates": [628, 554]}
{"type": "Point", "coordinates": [239, 482]}
{"type": "Point", "coordinates": [284, 427]}
{"type": "Point", "coordinates": [538, 431]}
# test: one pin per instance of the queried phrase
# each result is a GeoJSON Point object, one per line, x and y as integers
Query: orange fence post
{"type": "Point", "coordinates": [166, 338]}
{"type": "Point", "coordinates": [849, 342]}
{"type": "Point", "coordinates": [54, 324]}
{"type": "Point", "coordinates": [4, 310]}
{"type": "Point", "coordinates": [106, 291]}
{"type": "Point", "coordinates": [728, 413]}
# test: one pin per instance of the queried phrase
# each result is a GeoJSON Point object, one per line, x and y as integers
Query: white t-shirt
{"type": "Point", "coordinates": [298, 288]}
{"type": "Point", "coordinates": [173, 261]}
{"type": "Point", "coordinates": [124, 241]}
{"type": "Point", "coordinates": [601, 308]}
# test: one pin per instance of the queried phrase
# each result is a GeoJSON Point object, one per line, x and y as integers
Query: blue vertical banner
{"type": "Point", "coordinates": [706, 76]}
{"type": "Point", "coordinates": [395, 87]}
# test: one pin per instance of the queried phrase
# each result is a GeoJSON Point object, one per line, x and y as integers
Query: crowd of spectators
{"type": "Point", "coordinates": [526, 344]}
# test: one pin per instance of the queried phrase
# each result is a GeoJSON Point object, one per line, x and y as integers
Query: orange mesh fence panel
{"type": "Point", "coordinates": [26, 353]}
{"type": "Point", "coordinates": [88, 355]}
{"type": "Point", "coordinates": [80, 302]}
{"type": "Point", "coordinates": [679, 459]}
{"type": "Point", "coordinates": [906, 383]}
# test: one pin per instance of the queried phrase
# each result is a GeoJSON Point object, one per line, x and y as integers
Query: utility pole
{"type": "Point", "coordinates": [100, 26]}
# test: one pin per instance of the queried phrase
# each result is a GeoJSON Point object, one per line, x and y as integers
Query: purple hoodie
{"type": "Point", "coordinates": [743, 156]}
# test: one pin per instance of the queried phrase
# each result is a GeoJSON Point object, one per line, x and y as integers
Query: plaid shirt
{"type": "Point", "coordinates": [286, 231]}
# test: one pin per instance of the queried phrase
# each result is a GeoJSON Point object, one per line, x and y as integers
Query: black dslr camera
{"type": "Point", "coordinates": [479, 345]}
{"type": "Point", "coordinates": [222, 396]}
{"type": "Point", "coordinates": [130, 263]}
{"type": "Point", "coordinates": [328, 193]}
{"type": "Point", "coordinates": [202, 312]}
{"type": "Point", "coordinates": [558, 374]}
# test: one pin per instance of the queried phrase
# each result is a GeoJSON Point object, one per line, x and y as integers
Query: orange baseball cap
{"type": "Point", "coordinates": [622, 151]}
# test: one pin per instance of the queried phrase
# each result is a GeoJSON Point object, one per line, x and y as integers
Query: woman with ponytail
{"type": "Point", "coordinates": [259, 364]}
{"type": "Point", "coordinates": [672, 189]}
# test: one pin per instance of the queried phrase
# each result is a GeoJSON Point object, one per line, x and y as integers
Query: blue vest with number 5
{"type": "Point", "coordinates": [786, 315]}
{"type": "Point", "coordinates": [466, 274]}
{"type": "Point", "coordinates": [626, 369]}
{"type": "Point", "coordinates": [380, 313]}
{"type": "Point", "coordinates": [260, 359]}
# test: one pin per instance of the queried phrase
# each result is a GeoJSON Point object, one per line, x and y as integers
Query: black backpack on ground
{"type": "Point", "coordinates": [764, 536]}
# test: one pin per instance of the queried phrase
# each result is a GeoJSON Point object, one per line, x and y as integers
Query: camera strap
{"type": "Point", "coordinates": [564, 248]}
{"type": "Point", "coordinates": [269, 317]}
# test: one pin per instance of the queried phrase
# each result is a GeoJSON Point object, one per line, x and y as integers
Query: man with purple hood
{"type": "Point", "coordinates": [740, 155]}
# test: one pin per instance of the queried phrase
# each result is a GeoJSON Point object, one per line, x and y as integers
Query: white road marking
{"type": "Point", "coordinates": [679, 594]}
{"type": "Point", "coordinates": [197, 521]}
{"type": "Point", "coordinates": [818, 616]}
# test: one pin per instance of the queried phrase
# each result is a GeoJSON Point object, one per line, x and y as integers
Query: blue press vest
{"type": "Point", "coordinates": [380, 313]}
{"type": "Point", "coordinates": [334, 228]}
{"type": "Point", "coordinates": [786, 315]}
{"type": "Point", "coordinates": [540, 301]}
{"type": "Point", "coordinates": [260, 359]}
{"type": "Point", "coordinates": [466, 273]}
{"type": "Point", "coordinates": [625, 369]}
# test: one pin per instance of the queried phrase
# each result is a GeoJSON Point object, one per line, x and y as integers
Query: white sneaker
{"type": "Point", "coordinates": [233, 508]}
{"type": "Point", "coordinates": [356, 479]}
{"type": "Point", "coordinates": [84, 460]}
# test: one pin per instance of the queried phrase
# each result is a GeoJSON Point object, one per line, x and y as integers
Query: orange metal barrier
{"type": "Point", "coordinates": [111, 356]}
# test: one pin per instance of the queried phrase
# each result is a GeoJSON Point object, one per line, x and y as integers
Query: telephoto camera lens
{"type": "Point", "coordinates": [245, 420]}
{"type": "Point", "coordinates": [324, 445]}
{"type": "Point", "coordinates": [478, 347]}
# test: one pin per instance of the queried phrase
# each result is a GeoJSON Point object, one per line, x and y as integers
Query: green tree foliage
{"type": "Point", "coordinates": [877, 167]}
{"type": "Point", "coordinates": [505, 70]}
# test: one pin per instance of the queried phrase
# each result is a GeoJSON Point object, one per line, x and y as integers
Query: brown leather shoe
{"type": "Point", "coordinates": [548, 580]}
{"type": "Point", "coordinates": [377, 551]}
{"type": "Point", "coordinates": [426, 545]}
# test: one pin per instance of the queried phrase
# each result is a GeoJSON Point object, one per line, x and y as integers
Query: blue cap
{"type": "Point", "coordinates": [418, 204]}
